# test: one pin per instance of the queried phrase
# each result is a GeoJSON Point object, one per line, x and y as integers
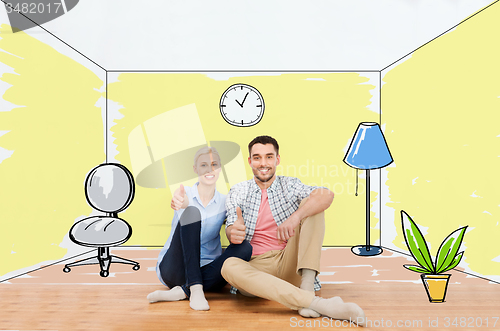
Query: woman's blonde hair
{"type": "Point", "coordinates": [206, 150]}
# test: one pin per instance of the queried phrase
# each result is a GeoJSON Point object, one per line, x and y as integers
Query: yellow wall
{"type": "Point", "coordinates": [56, 135]}
{"type": "Point", "coordinates": [312, 120]}
{"type": "Point", "coordinates": [442, 110]}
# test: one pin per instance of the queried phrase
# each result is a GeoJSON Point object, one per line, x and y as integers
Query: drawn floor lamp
{"type": "Point", "coordinates": [368, 151]}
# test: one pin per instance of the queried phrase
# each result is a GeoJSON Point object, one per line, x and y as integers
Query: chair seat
{"type": "Point", "coordinates": [100, 231]}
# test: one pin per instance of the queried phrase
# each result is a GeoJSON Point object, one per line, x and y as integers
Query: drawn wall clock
{"type": "Point", "coordinates": [242, 105]}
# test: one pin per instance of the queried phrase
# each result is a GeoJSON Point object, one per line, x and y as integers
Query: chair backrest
{"type": "Point", "coordinates": [110, 188]}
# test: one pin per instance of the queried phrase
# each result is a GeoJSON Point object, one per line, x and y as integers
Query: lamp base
{"type": "Point", "coordinates": [364, 250]}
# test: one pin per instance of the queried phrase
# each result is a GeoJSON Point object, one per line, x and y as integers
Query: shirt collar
{"type": "Point", "coordinates": [196, 195]}
{"type": "Point", "coordinates": [274, 185]}
{"type": "Point", "coordinates": [254, 187]}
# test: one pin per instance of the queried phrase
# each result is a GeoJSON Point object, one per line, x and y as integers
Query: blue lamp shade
{"type": "Point", "coordinates": [368, 149]}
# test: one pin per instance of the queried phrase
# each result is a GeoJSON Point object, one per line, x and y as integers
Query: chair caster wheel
{"type": "Point", "coordinates": [104, 273]}
{"type": "Point", "coordinates": [66, 269]}
{"type": "Point", "coordinates": [136, 267]}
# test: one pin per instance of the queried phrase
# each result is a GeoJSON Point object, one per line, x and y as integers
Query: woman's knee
{"type": "Point", "coordinates": [190, 215]}
{"type": "Point", "coordinates": [242, 251]}
{"type": "Point", "coordinates": [247, 250]}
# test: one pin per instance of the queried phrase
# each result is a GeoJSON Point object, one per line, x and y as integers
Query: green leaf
{"type": "Point", "coordinates": [416, 242]}
{"type": "Point", "coordinates": [417, 269]}
{"type": "Point", "coordinates": [455, 262]}
{"type": "Point", "coordinates": [448, 249]}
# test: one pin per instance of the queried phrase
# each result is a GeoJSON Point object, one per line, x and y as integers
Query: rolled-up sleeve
{"type": "Point", "coordinates": [233, 200]}
{"type": "Point", "coordinates": [299, 190]}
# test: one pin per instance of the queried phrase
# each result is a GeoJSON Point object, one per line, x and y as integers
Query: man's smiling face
{"type": "Point", "coordinates": [263, 161]}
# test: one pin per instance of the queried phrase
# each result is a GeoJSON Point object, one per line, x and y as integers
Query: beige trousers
{"type": "Point", "coordinates": [276, 275]}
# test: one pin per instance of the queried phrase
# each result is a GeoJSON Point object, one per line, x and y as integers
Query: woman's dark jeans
{"type": "Point", "coordinates": [181, 264]}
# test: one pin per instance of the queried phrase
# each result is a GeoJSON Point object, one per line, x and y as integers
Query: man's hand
{"type": "Point", "coordinates": [179, 200]}
{"type": "Point", "coordinates": [287, 229]}
{"type": "Point", "coordinates": [238, 228]}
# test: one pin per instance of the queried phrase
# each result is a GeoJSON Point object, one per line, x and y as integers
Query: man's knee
{"type": "Point", "coordinates": [319, 217]}
{"type": "Point", "coordinates": [303, 202]}
{"type": "Point", "coordinates": [229, 265]}
{"type": "Point", "coordinates": [190, 215]}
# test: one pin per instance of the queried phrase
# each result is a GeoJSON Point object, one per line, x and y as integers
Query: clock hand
{"type": "Point", "coordinates": [241, 104]}
{"type": "Point", "coordinates": [246, 95]}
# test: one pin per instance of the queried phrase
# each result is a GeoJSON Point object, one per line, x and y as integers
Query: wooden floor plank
{"type": "Point", "coordinates": [123, 307]}
{"type": "Point", "coordinates": [48, 300]}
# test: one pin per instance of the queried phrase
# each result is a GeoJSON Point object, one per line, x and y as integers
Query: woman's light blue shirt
{"type": "Point", "coordinates": [212, 217]}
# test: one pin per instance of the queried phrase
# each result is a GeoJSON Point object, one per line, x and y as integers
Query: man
{"type": "Point", "coordinates": [283, 220]}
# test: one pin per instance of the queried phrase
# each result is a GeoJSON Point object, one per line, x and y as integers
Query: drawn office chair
{"type": "Point", "coordinates": [109, 188]}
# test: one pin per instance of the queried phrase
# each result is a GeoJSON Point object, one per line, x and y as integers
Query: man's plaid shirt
{"type": "Point", "coordinates": [284, 194]}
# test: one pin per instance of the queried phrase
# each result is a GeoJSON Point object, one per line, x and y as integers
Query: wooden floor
{"type": "Point", "coordinates": [391, 296]}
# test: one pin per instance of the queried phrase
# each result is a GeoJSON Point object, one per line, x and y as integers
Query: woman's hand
{"type": "Point", "coordinates": [180, 199]}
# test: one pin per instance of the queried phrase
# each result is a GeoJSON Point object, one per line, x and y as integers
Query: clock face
{"type": "Point", "coordinates": [242, 105]}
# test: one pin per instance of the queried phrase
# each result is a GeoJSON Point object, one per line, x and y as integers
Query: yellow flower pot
{"type": "Point", "coordinates": [436, 286]}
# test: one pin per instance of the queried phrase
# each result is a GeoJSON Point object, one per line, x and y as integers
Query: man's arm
{"type": "Point", "coordinates": [235, 227]}
{"type": "Point", "coordinates": [236, 232]}
{"type": "Point", "coordinates": [319, 200]}
{"type": "Point", "coordinates": [228, 232]}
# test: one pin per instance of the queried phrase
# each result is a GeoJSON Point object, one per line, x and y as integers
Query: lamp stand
{"type": "Point", "coordinates": [367, 250]}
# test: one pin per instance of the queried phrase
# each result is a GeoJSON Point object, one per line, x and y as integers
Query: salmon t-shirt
{"type": "Point", "coordinates": [264, 238]}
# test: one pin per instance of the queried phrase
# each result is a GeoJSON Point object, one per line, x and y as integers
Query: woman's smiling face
{"type": "Point", "coordinates": [208, 168]}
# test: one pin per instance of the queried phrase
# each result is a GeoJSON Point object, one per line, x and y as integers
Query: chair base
{"type": "Point", "coordinates": [104, 259]}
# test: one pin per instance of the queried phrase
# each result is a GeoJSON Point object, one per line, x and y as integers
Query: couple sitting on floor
{"type": "Point", "coordinates": [275, 225]}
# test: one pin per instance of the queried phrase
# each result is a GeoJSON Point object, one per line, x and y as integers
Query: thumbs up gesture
{"type": "Point", "coordinates": [179, 200]}
{"type": "Point", "coordinates": [238, 228]}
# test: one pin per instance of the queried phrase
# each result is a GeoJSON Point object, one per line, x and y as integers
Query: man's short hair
{"type": "Point", "coordinates": [264, 140]}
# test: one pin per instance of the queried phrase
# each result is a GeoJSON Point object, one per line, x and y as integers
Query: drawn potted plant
{"type": "Point", "coordinates": [447, 258]}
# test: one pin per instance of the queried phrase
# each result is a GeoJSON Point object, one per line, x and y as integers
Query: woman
{"type": "Point", "coordinates": [191, 260]}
